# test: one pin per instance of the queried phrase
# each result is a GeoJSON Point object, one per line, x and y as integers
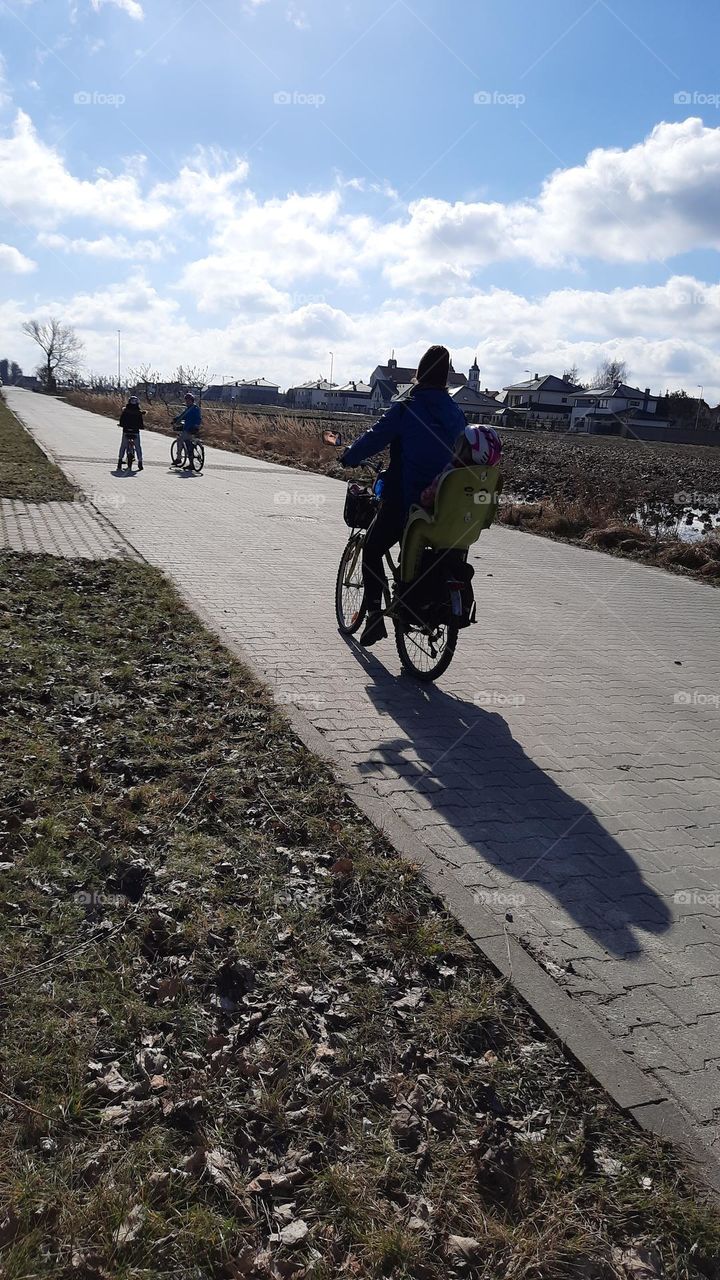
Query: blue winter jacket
{"type": "Point", "coordinates": [190, 418]}
{"type": "Point", "coordinates": [421, 432]}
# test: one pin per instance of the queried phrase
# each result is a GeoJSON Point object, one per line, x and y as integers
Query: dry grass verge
{"type": "Point", "coordinates": [26, 472]}
{"type": "Point", "coordinates": [240, 1041]}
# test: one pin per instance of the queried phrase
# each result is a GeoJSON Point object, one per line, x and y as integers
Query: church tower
{"type": "Point", "coordinates": [474, 379]}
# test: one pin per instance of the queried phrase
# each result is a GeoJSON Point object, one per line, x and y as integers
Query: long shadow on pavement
{"type": "Point", "coordinates": [462, 770]}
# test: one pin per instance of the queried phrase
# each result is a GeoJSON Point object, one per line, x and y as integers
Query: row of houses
{"type": "Point", "coordinates": [543, 401]}
{"type": "Point", "coordinates": [386, 383]}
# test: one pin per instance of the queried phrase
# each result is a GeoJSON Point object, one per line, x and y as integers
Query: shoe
{"type": "Point", "coordinates": [375, 629]}
{"type": "Point", "coordinates": [140, 466]}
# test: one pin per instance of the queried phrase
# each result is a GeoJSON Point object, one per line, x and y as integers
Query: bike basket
{"type": "Point", "coordinates": [360, 507]}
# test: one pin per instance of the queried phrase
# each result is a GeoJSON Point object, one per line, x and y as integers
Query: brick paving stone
{"type": "Point", "coordinates": [597, 800]}
{"type": "Point", "coordinates": [66, 529]}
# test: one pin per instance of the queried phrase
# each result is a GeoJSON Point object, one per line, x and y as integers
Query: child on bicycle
{"type": "Point", "coordinates": [131, 423]}
{"type": "Point", "coordinates": [191, 420]}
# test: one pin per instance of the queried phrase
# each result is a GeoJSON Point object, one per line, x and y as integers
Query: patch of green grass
{"type": "Point", "coordinates": [26, 471]}
{"type": "Point", "coordinates": [227, 1008]}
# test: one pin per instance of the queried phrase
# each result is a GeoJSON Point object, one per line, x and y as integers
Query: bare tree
{"type": "Point", "coordinates": [192, 376]}
{"type": "Point", "coordinates": [609, 372]}
{"type": "Point", "coordinates": [61, 348]}
{"type": "Point", "coordinates": [9, 372]}
{"type": "Point", "coordinates": [147, 378]}
{"type": "Point", "coordinates": [103, 384]}
{"type": "Point", "coordinates": [573, 377]}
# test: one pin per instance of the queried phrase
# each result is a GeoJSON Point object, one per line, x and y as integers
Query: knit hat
{"type": "Point", "coordinates": [434, 368]}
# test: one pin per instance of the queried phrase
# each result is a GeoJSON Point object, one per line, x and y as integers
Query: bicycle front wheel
{"type": "Point", "coordinates": [176, 452]}
{"type": "Point", "coordinates": [198, 456]}
{"type": "Point", "coordinates": [349, 589]}
{"type": "Point", "coordinates": [426, 652]}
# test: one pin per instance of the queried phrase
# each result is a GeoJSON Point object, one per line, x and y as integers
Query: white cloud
{"type": "Point", "coordinates": [270, 334]}
{"type": "Point", "coordinates": [279, 241]}
{"type": "Point", "coordinates": [36, 186]}
{"type": "Point", "coordinates": [108, 247]}
{"type": "Point", "coordinates": [657, 199]}
{"type": "Point", "coordinates": [262, 294]}
{"type": "Point", "coordinates": [208, 184]}
{"type": "Point", "coordinates": [131, 7]}
{"type": "Point", "coordinates": [11, 259]}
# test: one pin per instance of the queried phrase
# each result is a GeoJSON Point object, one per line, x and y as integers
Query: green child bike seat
{"type": "Point", "coordinates": [466, 502]}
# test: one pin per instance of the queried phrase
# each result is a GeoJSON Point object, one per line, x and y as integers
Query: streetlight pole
{"type": "Point", "coordinates": [119, 387]}
{"type": "Point", "coordinates": [697, 415]}
{"type": "Point", "coordinates": [332, 363]}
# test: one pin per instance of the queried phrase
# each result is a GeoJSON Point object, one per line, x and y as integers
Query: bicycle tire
{"type": "Point", "coordinates": [425, 674]}
{"type": "Point", "coordinates": [349, 622]}
{"type": "Point", "coordinates": [198, 456]}
{"type": "Point", "coordinates": [176, 452]}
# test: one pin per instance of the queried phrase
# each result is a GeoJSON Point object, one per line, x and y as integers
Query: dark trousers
{"type": "Point", "coordinates": [385, 530]}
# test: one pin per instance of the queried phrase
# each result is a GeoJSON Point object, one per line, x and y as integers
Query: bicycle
{"type": "Point", "coordinates": [197, 454]}
{"type": "Point", "coordinates": [426, 614]}
{"type": "Point", "coordinates": [130, 452]}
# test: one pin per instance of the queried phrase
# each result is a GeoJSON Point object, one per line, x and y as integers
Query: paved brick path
{"type": "Point", "coordinates": [70, 529]}
{"type": "Point", "coordinates": [565, 768]}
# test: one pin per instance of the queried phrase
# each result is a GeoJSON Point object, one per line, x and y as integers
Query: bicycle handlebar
{"type": "Point", "coordinates": [335, 440]}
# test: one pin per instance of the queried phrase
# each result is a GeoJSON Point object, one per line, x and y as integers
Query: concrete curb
{"type": "Point", "coordinates": [632, 1090]}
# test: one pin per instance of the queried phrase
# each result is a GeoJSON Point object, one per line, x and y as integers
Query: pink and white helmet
{"type": "Point", "coordinates": [486, 445]}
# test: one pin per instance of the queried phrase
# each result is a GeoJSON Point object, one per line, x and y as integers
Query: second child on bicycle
{"type": "Point", "coordinates": [191, 420]}
{"type": "Point", "coordinates": [421, 432]}
{"type": "Point", "coordinates": [131, 424]}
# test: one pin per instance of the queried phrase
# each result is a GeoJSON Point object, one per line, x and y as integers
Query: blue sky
{"type": "Point", "coordinates": [248, 186]}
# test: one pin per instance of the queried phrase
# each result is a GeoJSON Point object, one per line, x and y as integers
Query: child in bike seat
{"type": "Point", "coordinates": [477, 446]}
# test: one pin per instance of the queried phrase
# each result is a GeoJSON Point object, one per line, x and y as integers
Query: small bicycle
{"type": "Point", "coordinates": [178, 452]}
{"type": "Point", "coordinates": [130, 452]}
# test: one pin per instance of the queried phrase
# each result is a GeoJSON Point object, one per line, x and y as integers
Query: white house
{"type": "Point", "coordinates": [618, 398]}
{"type": "Point", "coordinates": [354, 397]}
{"type": "Point", "coordinates": [310, 395]}
{"type": "Point", "coordinates": [477, 405]}
{"type": "Point", "coordinates": [255, 391]}
{"type": "Point", "coordinates": [542, 398]}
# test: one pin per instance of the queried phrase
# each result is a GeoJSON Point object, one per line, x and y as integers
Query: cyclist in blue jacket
{"type": "Point", "coordinates": [191, 419]}
{"type": "Point", "coordinates": [421, 432]}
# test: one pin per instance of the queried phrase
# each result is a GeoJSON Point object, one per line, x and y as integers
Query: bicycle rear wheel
{"type": "Point", "coordinates": [349, 589]}
{"type": "Point", "coordinates": [198, 456]}
{"type": "Point", "coordinates": [426, 652]}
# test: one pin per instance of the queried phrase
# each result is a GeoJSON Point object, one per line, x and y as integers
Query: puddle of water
{"type": "Point", "coordinates": [691, 525]}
